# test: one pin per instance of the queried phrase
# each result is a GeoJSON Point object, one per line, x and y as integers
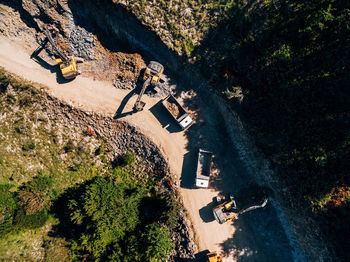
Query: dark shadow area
{"type": "Point", "coordinates": [119, 113]}
{"type": "Point", "coordinates": [206, 213]}
{"type": "Point", "coordinates": [188, 173]}
{"type": "Point", "coordinates": [164, 118]}
{"type": "Point", "coordinates": [259, 228]}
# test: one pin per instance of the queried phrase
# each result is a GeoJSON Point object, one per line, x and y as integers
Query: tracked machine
{"type": "Point", "coordinates": [67, 64]}
{"type": "Point", "coordinates": [228, 210]}
{"type": "Point", "coordinates": [151, 76]}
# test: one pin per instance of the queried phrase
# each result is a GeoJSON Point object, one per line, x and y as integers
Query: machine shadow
{"type": "Point", "coordinates": [188, 173]}
{"type": "Point", "coordinates": [206, 213]}
{"type": "Point", "coordinates": [164, 118]}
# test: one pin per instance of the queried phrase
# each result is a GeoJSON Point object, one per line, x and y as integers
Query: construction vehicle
{"type": "Point", "coordinates": [213, 257]}
{"type": "Point", "coordinates": [203, 168]}
{"type": "Point", "coordinates": [151, 76]}
{"type": "Point", "coordinates": [228, 210]}
{"type": "Point", "coordinates": [178, 113]}
{"type": "Point", "coordinates": [67, 64]}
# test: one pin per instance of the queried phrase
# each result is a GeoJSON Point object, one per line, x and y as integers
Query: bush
{"type": "Point", "coordinates": [129, 158]}
{"type": "Point", "coordinates": [156, 243]}
{"type": "Point", "coordinates": [29, 146]}
{"type": "Point", "coordinates": [69, 147]}
{"type": "Point", "coordinates": [7, 209]}
{"type": "Point", "coordinates": [31, 221]}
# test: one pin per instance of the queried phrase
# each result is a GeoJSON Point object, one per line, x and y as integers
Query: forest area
{"type": "Point", "coordinates": [284, 66]}
{"type": "Point", "coordinates": [64, 196]}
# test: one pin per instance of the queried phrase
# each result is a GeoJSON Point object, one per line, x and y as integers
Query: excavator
{"type": "Point", "coordinates": [67, 64]}
{"type": "Point", "coordinates": [213, 257]}
{"type": "Point", "coordinates": [228, 210]}
{"type": "Point", "coordinates": [151, 76]}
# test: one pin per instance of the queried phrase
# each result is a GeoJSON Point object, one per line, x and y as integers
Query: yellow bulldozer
{"type": "Point", "coordinates": [152, 75]}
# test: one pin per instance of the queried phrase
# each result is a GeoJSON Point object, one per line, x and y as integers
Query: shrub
{"type": "Point", "coordinates": [31, 221]}
{"type": "Point", "coordinates": [156, 242]}
{"type": "Point", "coordinates": [7, 209]}
{"type": "Point", "coordinates": [28, 147]}
{"type": "Point", "coordinates": [69, 147]}
{"type": "Point", "coordinates": [129, 158]}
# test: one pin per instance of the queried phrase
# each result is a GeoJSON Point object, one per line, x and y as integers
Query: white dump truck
{"type": "Point", "coordinates": [203, 168]}
{"type": "Point", "coordinates": [177, 112]}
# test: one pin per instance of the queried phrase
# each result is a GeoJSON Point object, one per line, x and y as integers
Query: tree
{"type": "Point", "coordinates": [106, 212]}
{"type": "Point", "coordinates": [7, 209]}
{"type": "Point", "coordinates": [156, 242]}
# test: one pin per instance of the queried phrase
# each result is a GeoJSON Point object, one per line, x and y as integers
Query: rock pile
{"type": "Point", "coordinates": [82, 43]}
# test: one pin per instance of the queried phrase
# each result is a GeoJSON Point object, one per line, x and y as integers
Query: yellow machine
{"type": "Point", "coordinates": [228, 210]}
{"type": "Point", "coordinates": [151, 76]}
{"type": "Point", "coordinates": [213, 257]}
{"type": "Point", "coordinates": [67, 64]}
{"type": "Point", "coordinates": [68, 68]}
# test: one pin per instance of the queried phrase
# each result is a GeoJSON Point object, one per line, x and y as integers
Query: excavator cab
{"type": "Point", "coordinates": [152, 75]}
{"type": "Point", "coordinates": [69, 68]}
{"type": "Point", "coordinates": [154, 71]}
{"type": "Point", "coordinates": [213, 257]}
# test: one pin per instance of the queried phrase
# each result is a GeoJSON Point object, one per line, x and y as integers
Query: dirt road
{"type": "Point", "coordinates": [257, 236]}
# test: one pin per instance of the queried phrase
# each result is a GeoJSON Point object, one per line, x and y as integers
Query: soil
{"type": "Point", "coordinates": [173, 108]}
{"type": "Point", "coordinates": [262, 235]}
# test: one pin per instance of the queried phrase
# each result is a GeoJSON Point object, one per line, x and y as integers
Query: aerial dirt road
{"type": "Point", "coordinates": [257, 236]}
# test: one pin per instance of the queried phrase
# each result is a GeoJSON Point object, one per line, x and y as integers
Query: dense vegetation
{"type": "Point", "coordinates": [284, 65]}
{"type": "Point", "coordinates": [62, 199]}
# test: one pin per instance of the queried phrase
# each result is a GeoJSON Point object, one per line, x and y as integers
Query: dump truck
{"type": "Point", "coordinates": [177, 112]}
{"type": "Point", "coordinates": [151, 76]}
{"type": "Point", "coordinates": [228, 210]}
{"type": "Point", "coordinates": [203, 168]}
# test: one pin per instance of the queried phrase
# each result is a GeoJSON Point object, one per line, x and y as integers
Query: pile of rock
{"type": "Point", "coordinates": [82, 43]}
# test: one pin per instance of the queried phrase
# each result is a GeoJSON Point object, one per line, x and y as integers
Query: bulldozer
{"type": "Point", "coordinates": [152, 75]}
{"type": "Point", "coordinates": [67, 64]}
{"type": "Point", "coordinates": [228, 210]}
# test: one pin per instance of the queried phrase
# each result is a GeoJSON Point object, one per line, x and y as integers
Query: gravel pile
{"type": "Point", "coordinates": [82, 43]}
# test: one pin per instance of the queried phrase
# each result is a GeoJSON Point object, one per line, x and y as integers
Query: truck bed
{"type": "Point", "coordinates": [203, 168]}
{"type": "Point", "coordinates": [174, 108]}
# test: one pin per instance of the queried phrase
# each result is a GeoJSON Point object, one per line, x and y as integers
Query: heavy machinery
{"type": "Point", "coordinates": [151, 76]}
{"type": "Point", "coordinates": [67, 64]}
{"type": "Point", "coordinates": [228, 210]}
{"type": "Point", "coordinates": [213, 257]}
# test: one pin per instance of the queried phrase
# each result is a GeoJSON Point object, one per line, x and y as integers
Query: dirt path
{"type": "Point", "coordinates": [255, 237]}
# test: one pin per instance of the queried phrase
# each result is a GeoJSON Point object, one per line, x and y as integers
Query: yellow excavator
{"type": "Point", "coordinates": [67, 64]}
{"type": "Point", "coordinates": [152, 75]}
{"type": "Point", "coordinates": [213, 257]}
{"type": "Point", "coordinates": [228, 210]}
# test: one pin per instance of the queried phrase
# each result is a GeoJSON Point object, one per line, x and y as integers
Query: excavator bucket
{"type": "Point", "coordinates": [139, 106]}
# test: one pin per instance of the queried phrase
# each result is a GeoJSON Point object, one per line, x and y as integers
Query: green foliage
{"type": "Point", "coordinates": [69, 147]}
{"type": "Point", "coordinates": [29, 146]}
{"type": "Point", "coordinates": [156, 242]}
{"type": "Point", "coordinates": [129, 158]}
{"type": "Point", "coordinates": [30, 221]}
{"type": "Point", "coordinates": [291, 60]}
{"type": "Point", "coordinates": [7, 209]}
{"type": "Point", "coordinates": [109, 211]}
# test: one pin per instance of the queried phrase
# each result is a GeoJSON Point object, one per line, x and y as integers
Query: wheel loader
{"type": "Point", "coordinates": [152, 75]}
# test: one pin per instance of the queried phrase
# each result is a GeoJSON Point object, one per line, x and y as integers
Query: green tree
{"type": "Point", "coordinates": [156, 242]}
{"type": "Point", "coordinates": [7, 209]}
{"type": "Point", "coordinates": [106, 211]}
